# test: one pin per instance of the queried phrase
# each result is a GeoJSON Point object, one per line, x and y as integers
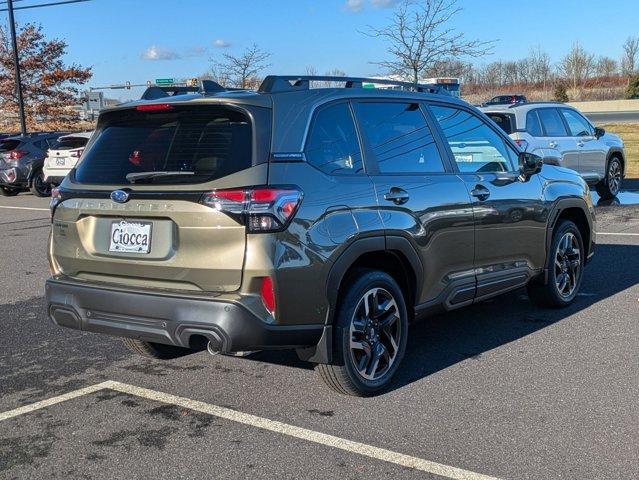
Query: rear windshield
{"type": "Point", "coordinates": [202, 143]}
{"type": "Point", "coordinates": [8, 145]}
{"type": "Point", "coordinates": [70, 143]}
{"type": "Point", "coordinates": [505, 121]}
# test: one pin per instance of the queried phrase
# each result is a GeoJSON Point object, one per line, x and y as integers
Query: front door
{"type": "Point", "coordinates": [592, 151]}
{"type": "Point", "coordinates": [510, 227]}
{"type": "Point", "coordinates": [421, 200]}
{"type": "Point", "coordinates": [556, 137]}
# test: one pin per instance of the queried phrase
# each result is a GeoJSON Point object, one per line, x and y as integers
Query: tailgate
{"type": "Point", "coordinates": [190, 246]}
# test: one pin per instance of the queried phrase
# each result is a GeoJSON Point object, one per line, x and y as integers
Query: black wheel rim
{"type": "Point", "coordinates": [40, 185]}
{"type": "Point", "coordinates": [375, 334]}
{"type": "Point", "coordinates": [614, 177]}
{"type": "Point", "coordinates": [567, 265]}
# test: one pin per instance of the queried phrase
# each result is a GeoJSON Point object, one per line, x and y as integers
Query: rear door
{"type": "Point", "coordinates": [509, 213]}
{"type": "Point", "coordinates": [555, 136]}
{"type": "Point", "coordinates": [154, 232]}
{"type": "Point", "coordinates": [592, 151]}
{"type": "Point", "coordinates": [419, 196]}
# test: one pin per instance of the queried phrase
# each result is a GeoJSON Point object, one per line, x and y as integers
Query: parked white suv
{"type": "Point", "coordinates": [562, 136]}
{"type": "Point", "coordinates": [63, 157]}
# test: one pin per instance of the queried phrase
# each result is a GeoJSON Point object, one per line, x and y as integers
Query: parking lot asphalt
{"type": "Point", "coordinates": [502, 389]}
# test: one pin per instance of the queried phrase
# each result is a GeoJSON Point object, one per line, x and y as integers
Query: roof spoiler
{"type": "Point", "coordinates": [291, 83]}
{"type": "Point", "coordinates": [161, 91]}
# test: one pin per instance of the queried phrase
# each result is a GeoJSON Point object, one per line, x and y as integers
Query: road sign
{"type": "Point", "coordinates": [164, 81]}
{"type": "Point", "coordinates": [95, 101]}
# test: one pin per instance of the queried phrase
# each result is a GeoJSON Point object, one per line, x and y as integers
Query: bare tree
{"type": "Point", "coordinates": [242, 70]}
{"type": "Point", "coordinates": [539, 65]}
{"type": "Point", "coordinates": [606, 67]}
{"type": "Point", "coordinates": [577, 65]}
{"type": "Point", "coordinates": [630, 58]}
{"type": "Point", "coordinates": [420, 35]}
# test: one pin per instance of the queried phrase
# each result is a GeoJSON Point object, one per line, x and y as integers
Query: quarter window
{"type": "Point", "coordinates": [332, 144]}
{"type": "Point", "coordinates": [532, 124]}
{"type": "Point", "coordinates": [476, 147]}
{"type": "Point", "coordinates": [578, 125]}
{"type": "Point", "coordinates": [399, 137]}
{"type": "Point", "coordinates": [552, 123]}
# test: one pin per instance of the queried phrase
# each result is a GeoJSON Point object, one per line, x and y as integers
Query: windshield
{"type": "Point", "coordinates": [211, 142]}
{"type": "Point", "coordinates": [70, 143]}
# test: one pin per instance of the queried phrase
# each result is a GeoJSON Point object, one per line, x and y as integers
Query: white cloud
{"type": "Point", "coordinates": [155, 52]}
{"type": "Point", "coordinates": [384, 3]}
{"type": "Point", "coordinates": [354, 5]}
{"type": "Point", "coordinates": [219, 43]}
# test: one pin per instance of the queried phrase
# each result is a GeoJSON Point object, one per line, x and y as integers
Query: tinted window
{"type": "Point", "coordinates": [532, 124]}
{"type": "Point", "coordinates": [476, 147]}
{"type": "Point", "coordinates": [399, 138]}
{"type": "Point", "coordinates": [578, 126]}
{"type": "Point", "coordinates": [505, 121]}
{"type": "Point", "coordinates": [332, 144]}
{"type": "Point", "coordinates": [210, 142]}
{"type": "Point", "coordinates": [70, 143]}
{"type": "Point", "coordinates": [8, 145]}
{"type": "Point", "coordinates": [552, 123]}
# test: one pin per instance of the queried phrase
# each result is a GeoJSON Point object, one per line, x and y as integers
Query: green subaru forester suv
{"type": "Point", "coordinates": [324, 220]}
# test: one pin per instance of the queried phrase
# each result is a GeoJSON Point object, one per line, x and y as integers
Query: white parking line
{"type": "Point", "coordinates": [263, 423]}
{"type": "Point", "coordinates": [26, 208]}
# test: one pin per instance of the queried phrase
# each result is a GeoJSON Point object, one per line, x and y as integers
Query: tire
{"type": "Point", "coordinates": [157, 351]}
{"type": "Point", "coordinates": [611, 184]}
{"type": "Point", "coordinates": [565, 270]}
{"type": "Point", "coordinates": [39, 187]}
{"type": "Point", "coordinates": [9, 192]}
{"type": "Point", "coordinates": [381, 339]}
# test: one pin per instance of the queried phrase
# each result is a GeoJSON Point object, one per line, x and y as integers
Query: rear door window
{"type": "Point", "coordinates": [399, 137]}
{"type": "Point", "coordinates": [552, 123]}
{"type": "Point", "coordinates": [332, 144]}
{"type": "Point", "coordinates": [504, 120]}
{"type": "Point", "coordinates": [201, 143]}
{"type": "Point", "coordinates": [533, 126]}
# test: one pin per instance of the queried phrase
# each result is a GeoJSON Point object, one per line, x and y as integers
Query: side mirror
{"type": "Point", "coordinates": [529, 164]}
{"type": "Point", "coordinates": [599, 132]}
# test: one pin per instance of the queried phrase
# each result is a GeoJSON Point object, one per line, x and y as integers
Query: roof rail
{"type": "Point", "coordinates": [534, 103]}
{"type": "Point", "coordinates": [291, 83]}
{"type": "Point", "coordinates": [161, 91]}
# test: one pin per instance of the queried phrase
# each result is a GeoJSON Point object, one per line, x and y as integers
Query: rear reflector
{"type": "Point", "coordinates": [268, 295]}
{"type": "Point", "coordinates": [156, 107]}
{"type": "Point", "coordinates": [261, 209]}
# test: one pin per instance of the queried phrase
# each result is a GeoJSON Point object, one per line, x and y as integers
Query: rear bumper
{"type": "Point", "coordinates": [170, 319]}
{"type": "Point", "coordinates": [53, 179]}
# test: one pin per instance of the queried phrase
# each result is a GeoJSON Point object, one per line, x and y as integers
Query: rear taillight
{"type": "Point", "coordinates": [17, 154]}
{"type": "Point", "coordinates": [267, 293]}
{"type": "Point", "coordinates": [56, 198]}
{"type": "Point", "coordinates": [77, 153]}
{"type": "Point", "coordinates": [523, 144]}
{"type": "Point", "coordinates": [261, 209]}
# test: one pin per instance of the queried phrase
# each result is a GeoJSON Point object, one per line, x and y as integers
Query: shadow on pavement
{"type": "Point", "coordinates": [438, 342]}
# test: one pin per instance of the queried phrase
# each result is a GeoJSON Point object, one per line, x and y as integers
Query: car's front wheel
{"type": "Point", "coordinates": [371, 329]}
{"type": "Point", "coordinates": [9, 192]}
{"type": "Point", "coordinates": [565, 267]}
{"type": "Point", "coordinates": [39, 187]}
{"type": "Point", "coordinates": [611, 184]}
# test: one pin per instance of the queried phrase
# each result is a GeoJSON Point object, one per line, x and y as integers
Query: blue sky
{"type": "Point", "coordinates": [140, 40]}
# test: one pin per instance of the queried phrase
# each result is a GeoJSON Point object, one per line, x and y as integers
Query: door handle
{"type": "Point", "coordinates": [397, 195]}
{"type": "Point", "coordinates": [480, 192]}
{"type": "Point", "coordinates": [552, 144]}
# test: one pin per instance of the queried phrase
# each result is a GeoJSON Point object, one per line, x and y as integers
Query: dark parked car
{"type": "Point", "coordinates": [21, 162]}
{"type": "Point", "coordinates": [322, 220]}
{"type": "Point", "coordinates": [506, 100]}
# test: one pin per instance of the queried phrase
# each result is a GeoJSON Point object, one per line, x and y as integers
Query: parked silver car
{"type": "Point", "coordinates": [562, 136]}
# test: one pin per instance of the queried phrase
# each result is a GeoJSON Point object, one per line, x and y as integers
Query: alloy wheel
{"type": "Point", "coordinates": [614, 177]}
{"type": "Point", "coordinates": [567, 265]}
{"type": "Point", "coordinates": [40, 185]}
{"type": "Point", "coordinates": [375, 334]}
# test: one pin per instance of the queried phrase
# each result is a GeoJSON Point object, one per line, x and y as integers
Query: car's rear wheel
{"type": "Point", "coordinates": [611, 184]}
{"type": "Point", "coordinates": [39, 187]}
{"type": "Point", "coordinates": [371, 329]}
{"type": "Point", "coordinates": [565, 266]}
{"type": "Point", "coordinates": [157, 351]}
{"type": "Point", "coordinates": [9, 192]}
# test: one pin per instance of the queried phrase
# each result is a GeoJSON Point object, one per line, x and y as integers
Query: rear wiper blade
{"type": "Point", "coordinates": [133, 177]}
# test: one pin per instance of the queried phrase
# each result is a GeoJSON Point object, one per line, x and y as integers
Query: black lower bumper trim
{"type": "Point", "coordinates": [172, 320]}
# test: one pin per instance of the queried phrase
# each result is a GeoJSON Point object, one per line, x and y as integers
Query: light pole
{"type": "Point", "coordinates": [16, 63]}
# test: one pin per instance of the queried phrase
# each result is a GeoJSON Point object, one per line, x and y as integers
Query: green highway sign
{"type": "Point", "coordinates": [164, 81]}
